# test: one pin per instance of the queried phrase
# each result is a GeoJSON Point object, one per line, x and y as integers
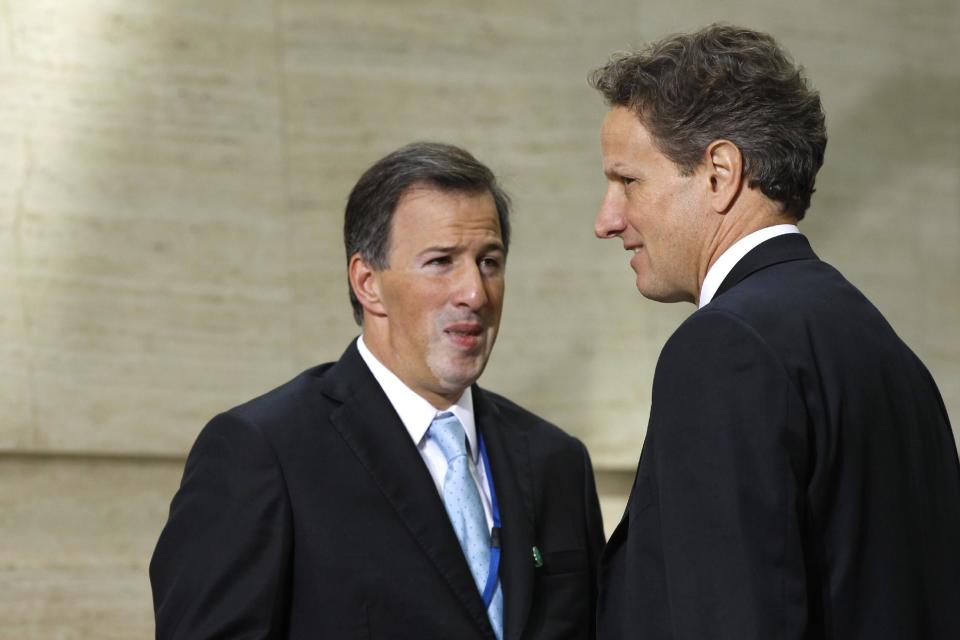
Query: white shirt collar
{"type": "Point", "coordinates": [414, 411]}
{"type": "Point", "coordinates": [734, 253]}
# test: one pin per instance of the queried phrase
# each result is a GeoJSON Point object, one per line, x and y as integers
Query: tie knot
{"type": "Point", "coordinates": [447, 432]}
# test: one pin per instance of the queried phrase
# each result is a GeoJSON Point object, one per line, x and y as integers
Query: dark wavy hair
{"type": "Point", "coordinates": [732, 83]}
{"type": "Point", "coordinates": [370, 207]}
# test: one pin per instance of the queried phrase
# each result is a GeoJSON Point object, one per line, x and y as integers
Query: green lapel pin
{"type": "Point", "coordinates": [537, 558]}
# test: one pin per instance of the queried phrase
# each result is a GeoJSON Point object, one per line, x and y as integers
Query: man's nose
{"type": "Point", "coordinates": [471, 290]}
{"type": "Point", "coordinates": [610, 219]}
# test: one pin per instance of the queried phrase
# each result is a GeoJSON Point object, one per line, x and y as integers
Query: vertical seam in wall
{"type": "Point", "coordinates": [18, 269]}
{"type": "Point", "coordinates": [16, 232]}
{"type": "Point", "coordinates": [7, 18]}
{"type": "Point", "coordinates": [279, 45]}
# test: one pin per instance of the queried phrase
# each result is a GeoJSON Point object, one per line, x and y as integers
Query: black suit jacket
{"type": "Point", "coordinates": [799, 478]}
{"type": "Point", "coordinates": [309, 513]}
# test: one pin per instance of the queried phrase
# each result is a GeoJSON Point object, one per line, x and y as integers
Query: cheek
{"type": "Point", "coordinates": [495, 291]}
{"type": "Point", "coordinates": [416, 310]}
{"type": "Point", "coordinates": [640, 213]}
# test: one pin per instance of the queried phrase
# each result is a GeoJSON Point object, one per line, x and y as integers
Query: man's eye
{"type": "Point", "coordinates": [627, 181]}
{"type": "Point", "coordinates": [490, 263]}
{"type": "Point", "coordinates": [439, 260]}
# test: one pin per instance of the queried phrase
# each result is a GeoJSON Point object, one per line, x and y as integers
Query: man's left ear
{"type": "Point", "coordinates": [724, 166]}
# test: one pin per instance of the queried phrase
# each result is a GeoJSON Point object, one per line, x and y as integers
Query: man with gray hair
{"type": "Point", "coordinates": [386, 495]}
{"type": "Point", "coordinates": [799, 478]}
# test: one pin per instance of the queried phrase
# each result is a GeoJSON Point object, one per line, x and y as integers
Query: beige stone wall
{"type": "Point", "coordinates": [171, 190]}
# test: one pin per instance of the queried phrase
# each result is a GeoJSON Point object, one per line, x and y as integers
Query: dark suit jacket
{"type": "Point", "coordinates": [799, 478]}
{"type": "Point", "coordinates": [309, 513]}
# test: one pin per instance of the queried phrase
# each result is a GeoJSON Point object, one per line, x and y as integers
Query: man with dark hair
{"type": "Point", "coordinates": [386, 495]}
{"type": "Point", "coordinates": [799, 478]}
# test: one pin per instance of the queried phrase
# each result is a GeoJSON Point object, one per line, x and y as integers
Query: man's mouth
{"type": "Point", "coordinates": [465, 334]}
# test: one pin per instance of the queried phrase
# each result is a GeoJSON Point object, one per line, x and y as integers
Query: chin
{"type": "Point", "coordinates": [662, 294]}
{"type": "Point", "coordinates": [457, 377]}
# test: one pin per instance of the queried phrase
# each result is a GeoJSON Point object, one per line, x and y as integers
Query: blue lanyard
{"type": "Point", "coordinates": [495, 532]}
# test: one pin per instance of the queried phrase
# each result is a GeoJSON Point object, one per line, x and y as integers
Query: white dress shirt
{"type": "Point", "coordinates": [734, 253]}
{"type": "Point", "coordinates": [417, 414]}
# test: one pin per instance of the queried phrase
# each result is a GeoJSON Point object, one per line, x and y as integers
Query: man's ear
{"type": "Point", "coordinates": [724, 167]}
{"type": "Point", "coordinates": [365, 281]}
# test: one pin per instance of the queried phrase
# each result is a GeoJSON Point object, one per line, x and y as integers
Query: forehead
{"type": "Point", "coordinates": [624, 140]}
{"type": "Point", "coordinates": [427, 214]}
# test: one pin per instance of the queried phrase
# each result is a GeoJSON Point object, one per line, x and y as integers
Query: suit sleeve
{"type": "Point", "coordinates": [594, 533]}
{"type": "Point", "coordinates": [729, 450]}
{"type": "Point", "coordinates": [221, 565]}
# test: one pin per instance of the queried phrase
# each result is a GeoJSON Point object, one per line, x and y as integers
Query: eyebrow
{"type": "Point", "coordinates": [491, 246]}
{"type": "Point", "coordinates": [617, 168]}
{"type": "Point", "coordinates": [622, 171]}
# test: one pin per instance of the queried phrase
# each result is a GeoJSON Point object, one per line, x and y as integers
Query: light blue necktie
{"type": "Point", "coordinates": [462, 500]}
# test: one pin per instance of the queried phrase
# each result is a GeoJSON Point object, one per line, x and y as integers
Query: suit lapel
{"type": "Point", "coordinates": [785, 248]}
{"type": "Point", "coordinates": [371, 428]}
{"type": "Point", "coordinates": [509, 455]}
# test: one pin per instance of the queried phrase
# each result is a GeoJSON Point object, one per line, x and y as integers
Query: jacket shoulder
{"type": "Point", "coordinates": [288, 399]}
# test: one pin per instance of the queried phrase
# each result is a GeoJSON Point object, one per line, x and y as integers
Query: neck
{"type": "Point", "coordinates": [748, 216]}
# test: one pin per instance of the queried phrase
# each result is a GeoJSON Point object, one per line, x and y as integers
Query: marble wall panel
{"type": "Point", "coordinates": [144, 236]}
{"type": "Point", "coordinates": [73, 563]}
